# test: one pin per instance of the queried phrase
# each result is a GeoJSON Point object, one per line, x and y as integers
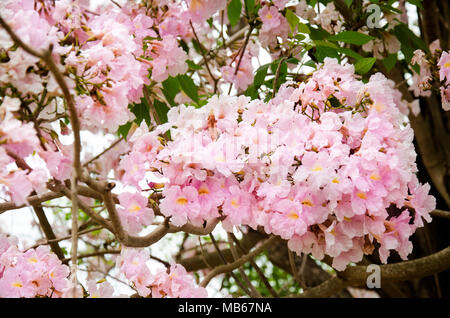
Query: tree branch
{"type": "Point", "coordinates": [244, 259]}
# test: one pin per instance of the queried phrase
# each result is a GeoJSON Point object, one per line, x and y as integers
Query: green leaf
{"type": "Point", "coordinates": [351, 37]}
{"type": "Point", "coordinates": [171, 87]}
{"type": "Point", "coordinates": [408, 38]}
{"type": "Point", "coordinates": [161, 109]}
{"type": "Point", "coordinates": [317, 34]}
{"type": "Point", "coordinates": [349, 52]}
{"type": "Point", "coordinates": [188, 86]}
{"type": "Point", "coordinates": [310, 63]}
{"type": "Point", "coordinates": [192, 65]}
{"type": "Point", "coordinates": [303, 28]}
{"type": "Point", "coordinates": [292, 19]}
{"type": "Point", "coordinates": [417, 3]}
{"type": "Point", "coordinates": [250, 5]}
{"type": "Point", "coordinates": [124, 129]}
{"type": "Point", "coordinates": [292, 60]}
{"type": "Point", "coordinates": [234, 11]}
{"type": "Point", "coordinates": [260, 76]}
{"type": "Point", "coordinates": [300, 37]}
{"type": "Point", "coordinates": [324, 51]}
{"type": "Point", "coordinates": [348, 3]}
{"type": "Point", "coordinates": [142, 112]}
{"type": "Point", "coordinates": [364, 65]}
{"type": "Point", "coordinates": [390, 61]}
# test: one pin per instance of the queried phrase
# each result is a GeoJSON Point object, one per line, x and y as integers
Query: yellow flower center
{"type": "Point", "coordinates": [293, 215]}
{"type": "Point", "coordinates": [182, 201]}
{"type": "Point", "coordinates": [220, 158]}
{"type": "Point", "coordinates": [379, 107]}
{"type": "Point", "coordinates": [447, 65]}
{"type": "Point", "coordinates": [375, 177]}
{"type": "Point", "coordinates": [269, 16]}
{"type": "Point", "coordinates": [203, 191]}
{"type": "Point", "coordinates": [134, 208]}
{"type": "Point", "coordinates": [32, 260]}
{"type": "Point", "coordinates": [307, 202]}
{"type": "Point", "coordinates": [361, 195]}
{"type": "Point", "coordinates": [335, 180]}
{"type": "Point", "coordinates": [234, 203]}
{"type": "Point", "coordinates": [317, 167]}
{"type": "Point", "coordinates": [17, 284]}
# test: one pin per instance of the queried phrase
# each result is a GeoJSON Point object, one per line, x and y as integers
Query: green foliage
{"type": "Point", "coordinates": [161, 109]}
{"type": "Point", "coordinates": [171, 87]}
{"type": "Point", "coordinates": [351, 37]}
{"type": "Point", "coordinates": [364, 65]}
{"type": "Point", "coordinates": [292, 19]}
{"type": "Point", "coordinates": [234, 11]}
{"type": "Point", "coordinates": [142, 112]}
{"type": "Point", "coordinates": [283, 283]}
{"type": "Point", "coordinates": [390, 61]}
{"type": "Point", "coordinates": [188, 86]}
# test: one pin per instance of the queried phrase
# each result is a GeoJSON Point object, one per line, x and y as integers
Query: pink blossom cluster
{"type": "Point", "coordinates": [134, 212]}
{"type": "Point", "coordinates": [444, 77]}
{"type": "Point", "coordinates": [239, 70]}
{"type": "Point", "coordinates": [274, 25]}
{"type": "Point", "coordinates": [328, 165]}
{"type": "Point", "coordinates": [106, 57]}
{"type": "Point", "coordinates": [422, 81]}
{"type": "Point", "coordinates": [33, 273]}
{"type": "Point", "coordinates": [14, 181]}
{"type": "Point", "coordinates": [174, 282]}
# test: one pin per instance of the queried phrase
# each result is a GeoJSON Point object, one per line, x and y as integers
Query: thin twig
{"type": "Point", "coordinates": [236, 279]}
{"type": "Point", "coordinates": [104, 151]}
{"type": "Point", "coordinates": [229, 267]}
{"type": "Point", "coordinates": [257, 268]}
{"type": "Point", "coordinates": [204, 57]}
{"type": "Point", "coordinates": [253, 291]}
{"type": "Point", "coordinates": [247, 38]}
{"type": "Point", "coordinates": [294, 268]}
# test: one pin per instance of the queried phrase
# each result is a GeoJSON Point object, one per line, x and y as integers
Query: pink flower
{"type": "Point", "coordinates": [100, 290]}
{"type": "Point", "coordinates": [19, 187]}
{"type": "Point", "coordinates": [181, 204]}
{"type": "Point", "coordinates": [444, 67]}
{"type": "Point", "coordinates": [135, 214]}
{"type": "Point", "coordinates": [168, 59]}
{"type": "Point", "coordinates": [133, 168]}
{"type": "Point", "coordinates": [270, 17]}
{"type": "Point", "coordinates": [236, 207]}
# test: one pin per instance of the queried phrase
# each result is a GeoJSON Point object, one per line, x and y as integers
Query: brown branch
{"type": "Point", "coordinates": [244, 259]}
{"type": "Point", "coordinates": [247, 38]}
{"type": "Point", "coordinates": [294, 269]}
{"type": "Point", "coordinates": [67, 237]}
{"type": "Point", "coordinates": [257, 268]}
{"type": "Point", "coordinates": [32, 199]}
{"type": "Point", "coordinates": [253, 291]}
{"type": "Point", "coordinates": [195, 263]}
{"type": "Point", "coordinates": [103, 152]}
{"type": "Point", "coordinates": [94, 254]}
{"type": "Point", "coordinates": [440, 214]}
{"type": "Point", "coordinates": [204, 57]}
{"type": "Point", "coordinates": [219, 252]}
{"type": "Point", "coordinates": [389, 273]}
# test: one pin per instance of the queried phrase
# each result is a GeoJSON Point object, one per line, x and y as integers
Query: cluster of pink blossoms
{"type": "Point", "coordinates": [328, 165]}
{"type": "Point", "coordinates": [174, 283]}
{"type": "Point", "coordinates": [421, 85]}
{"type": "Point", "coordinates": [274, 25]}
{"type": "Point", "coordinates": [33, 273]}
